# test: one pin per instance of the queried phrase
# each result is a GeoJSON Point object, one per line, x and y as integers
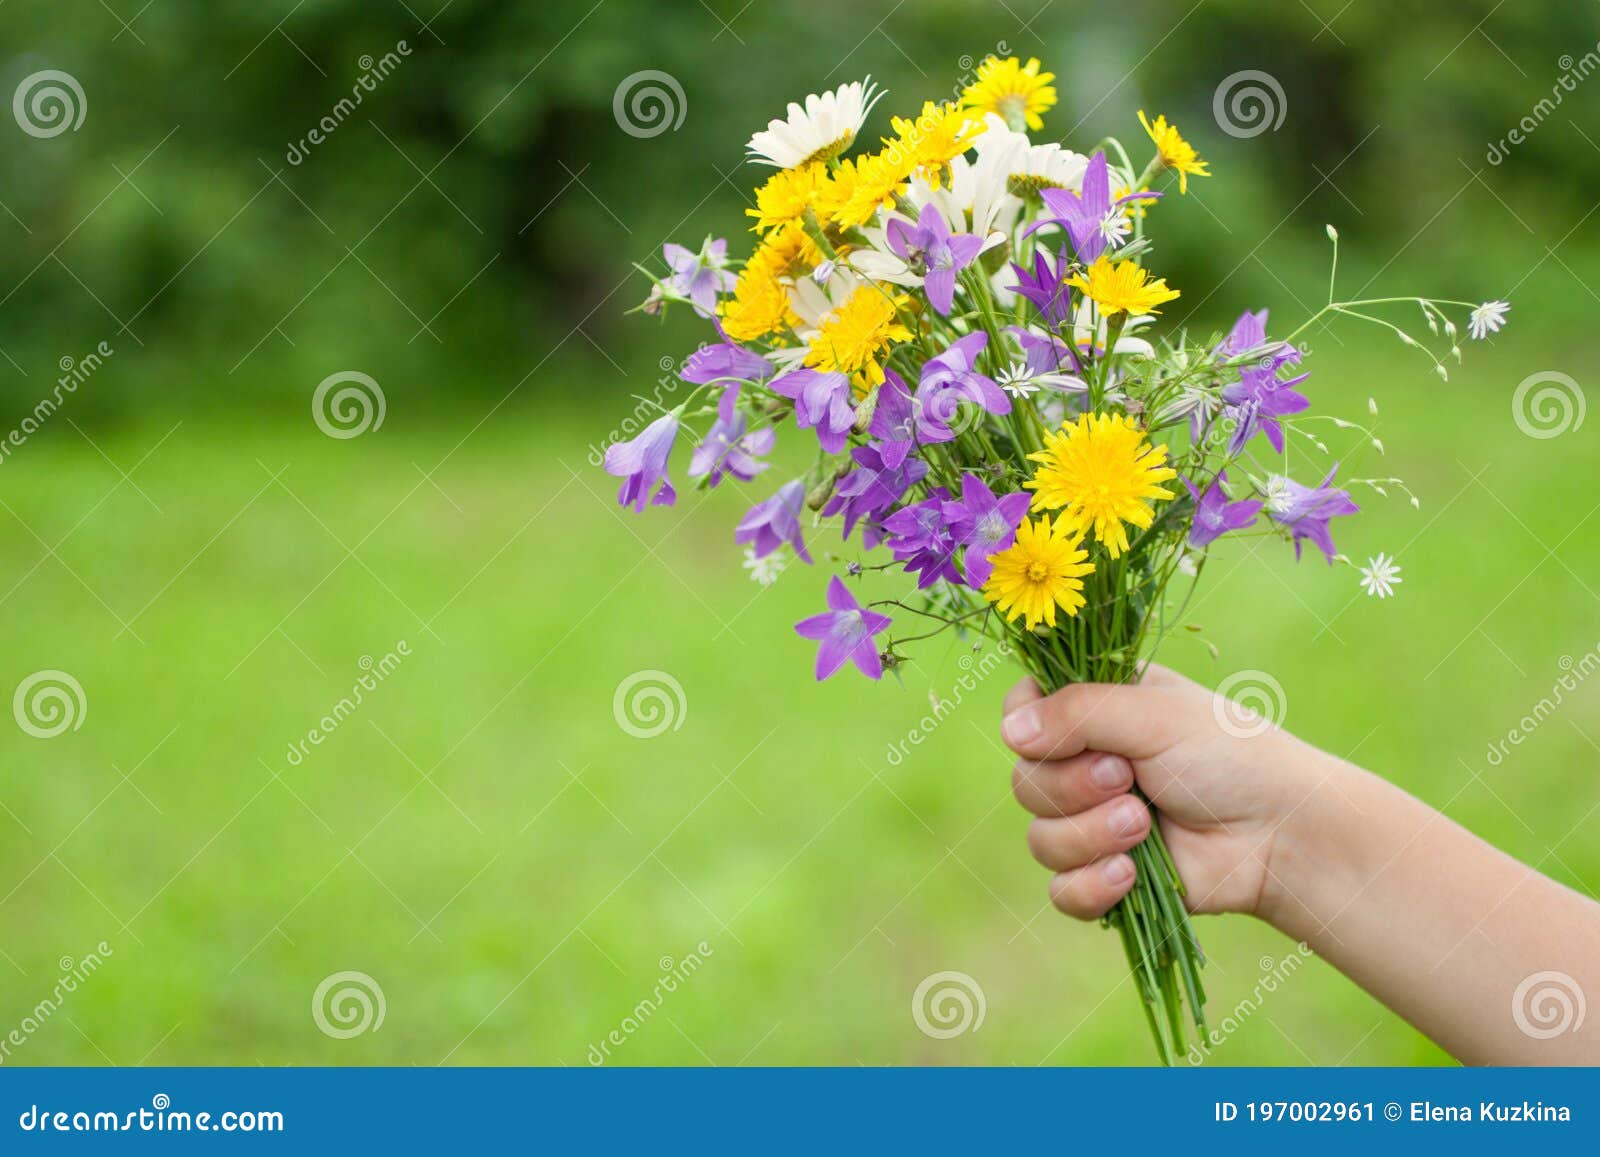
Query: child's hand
{"type": "Point", "coordinates": [1222, 794]}
{"type": "Point", "coordinates": [1453, 934]}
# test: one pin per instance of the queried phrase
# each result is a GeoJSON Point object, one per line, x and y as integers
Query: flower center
{"type": "Point", "coordinates": [829, 151]}
{"type": "Point", "coordinates": [1038, 572]}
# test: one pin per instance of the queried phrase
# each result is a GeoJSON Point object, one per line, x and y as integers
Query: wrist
{"type": "Point", "coordinates": [1316, 844]}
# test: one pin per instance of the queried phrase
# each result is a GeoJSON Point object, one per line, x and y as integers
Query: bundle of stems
{"type": "Point", "coordinates": [1102, 645]}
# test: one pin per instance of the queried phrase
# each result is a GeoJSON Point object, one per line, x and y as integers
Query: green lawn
{"type": "Point", "coordinates": [515, 871]}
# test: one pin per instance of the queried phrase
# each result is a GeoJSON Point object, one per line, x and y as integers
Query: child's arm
{"type": "Point", "coordinates": [1440, 926]}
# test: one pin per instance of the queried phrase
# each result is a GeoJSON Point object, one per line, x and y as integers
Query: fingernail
{"type": "Point", "coordinates": [1117, 870]}
{"type": "Point", "coordinates": [1109, 772]}
{"type": "Point", "coordinates": [1126, 817]}
{"type": "Point", "coordinates": [1021, 726]}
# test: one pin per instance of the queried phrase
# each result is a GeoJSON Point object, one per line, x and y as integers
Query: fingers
{"type": "Point", "coordinates": [1025, 692]}
{"type": "Point", "coordinates": [1066, 787]}
{"type": "Point", "coordinates": [1069, 842]}
{"type": "Point", "coordinates": [1133, 721]}
{"type": "Point", "coordinates": [1089, 892]}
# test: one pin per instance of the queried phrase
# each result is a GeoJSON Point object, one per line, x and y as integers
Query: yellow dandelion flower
{"type": "Point", "coordinates": [786, 253]}
{"type": "Point", "coordinates": [836, 190]}
{"type": "Point", "coordinates": [1100, 472]}
{"type": "Point", "coordinates": [1042, 570]}
{"type": "Point", "coordinates": [786, 196]}
{"type": "Point", "coordinates": [1175, 152]}
{"type": "Point", "coordinates": [759, 305]}
{"type": "Point", "coordinates": [1018, 93]}
{"type": "Point", "coordinates": [854, 338]}
{"type": "Point", "coordinates": [870, 184]}
{"type": "Point", "coordinates": [1124, 285]}
{"type": "Point", "coordinates": [940, 133]}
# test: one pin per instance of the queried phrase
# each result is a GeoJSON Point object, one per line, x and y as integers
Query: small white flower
{"type": "Point", "coordinates": [764, 570]}
{"type": "Point", "coordinates": [1380, 576]}
{"type": "Point", "coordinates": [1189, 564]}
{"type": "Point", "coordinates": [1488, 318]}
{"type": "Point", "coordinates": [1016, 381]}
{"type": "Point", "coordinates": [1114, 227]}
{"type": "Point", "coordinates": [823, 129]}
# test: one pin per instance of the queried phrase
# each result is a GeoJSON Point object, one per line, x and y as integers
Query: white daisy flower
{"type": "Point", "coordinates": [764, 570]}
{"type": "Point", "coordinates": [1488, 318]}
{"type": "Point", "coordinates": [1380, 576]}
{"type": "Point", "coordinates": [823, 129]}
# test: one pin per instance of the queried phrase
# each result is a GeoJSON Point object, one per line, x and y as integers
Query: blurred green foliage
{"type": "Point", "coordinates": [484, 187]}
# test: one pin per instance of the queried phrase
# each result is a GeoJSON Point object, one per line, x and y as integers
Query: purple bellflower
{"type": "Point", "coordinates": [894, 423]}
{"type": "Point", "coordinates": [984, 524]}
{"type": "Point", "coordinates": [727, 448]}
{"type": "Point", "coordinates": [1085, 215]}
{"type": "Point", "coordinates": [919, 536]}
{"type": "Point", "coordinates": [1305, 510]}
{"type": "Point", "coordinates": [1250, 333]}
{"type": "Point", "coordinates": [844, 633]}
{"type": "Point", "coordinates": [941, 254]}
{"type": "Point", "coordinates": [1214, 515]}
{"type": "Point", "coordinates": [821, 402]}
{"type": "Point", "coordinates": [1256, 402]}
{"type": "Point", "coordinates": [949, 380]}
{"type": "Point", "coordinates": [775, 521]}
{"type": "Point", "coordinates": [872, 488]}
{"type": "Point", "coordinates": [642, 463]}
{"type": "Point", "coordinates": [699, 276]}
{"type": "Point", "coordinates": [1045, 287]}
{"type": "Point", "coordinates": [724, 360]}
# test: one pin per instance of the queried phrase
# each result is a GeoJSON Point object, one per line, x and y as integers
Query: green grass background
{"type": "Point", "coordinates": [511, 867]}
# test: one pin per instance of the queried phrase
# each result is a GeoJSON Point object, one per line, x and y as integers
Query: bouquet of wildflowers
{"type": "Point", "coordinates": [961, 325]}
